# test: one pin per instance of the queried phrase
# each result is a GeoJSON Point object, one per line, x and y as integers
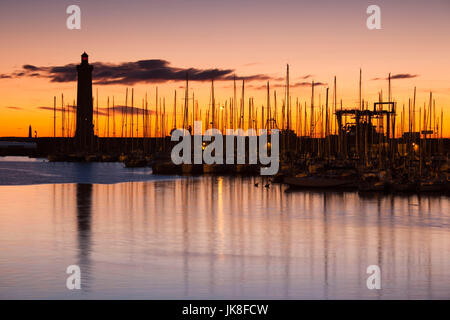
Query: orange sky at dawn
{"type": "Point", "coordinates": [318, 40]}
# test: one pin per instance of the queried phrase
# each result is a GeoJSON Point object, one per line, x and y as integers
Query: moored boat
{"type": "Point", "coordinates": [320, 182]}
{"type": "Point", "coordinates": [404, 187]}
{"type": "Point", "coordinates": [166, 168]}
{"type": "Point", "coordinates": [136, 163]}
{"type": "Point", "coordinates": [432, 186]}
{"type": "Point", "coordinates": [191, 169]}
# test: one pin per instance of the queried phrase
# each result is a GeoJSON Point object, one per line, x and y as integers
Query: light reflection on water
{"type": "Point", "coordinates": [26, 171]}
{"type": "Point", "coordinates": [219, 237]}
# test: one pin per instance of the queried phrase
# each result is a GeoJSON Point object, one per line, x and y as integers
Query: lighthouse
{"type": "Point", "coordinates": [84, 134]}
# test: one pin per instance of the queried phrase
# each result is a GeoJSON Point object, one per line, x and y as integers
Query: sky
{"type": "Point", "coordinates": [253, 39]}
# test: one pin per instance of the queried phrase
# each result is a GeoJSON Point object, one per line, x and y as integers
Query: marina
{"type": "Point", "coordinates": [384, 148]}
{"type": "Point", "coordinates": [215, 237]}
{"type": "Point", "coordinates": [224, 159]}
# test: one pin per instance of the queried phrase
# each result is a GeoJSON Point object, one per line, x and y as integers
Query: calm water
{"type": "Point", "coordinates": [25, 171]}
{"type": "Point", "coordinates": [211, 237]}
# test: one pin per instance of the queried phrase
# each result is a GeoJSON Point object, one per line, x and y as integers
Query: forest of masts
{"type": "Point", "coordinates": [311, 119]}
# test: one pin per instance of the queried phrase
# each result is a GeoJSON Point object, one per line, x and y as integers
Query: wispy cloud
{"type": "Point", "coordinates": [125, 109]}
{"type": "Point", "coordinates": [58, 109]}
{"type": "Point", "coordinates": [308, 84]}
{"type": "Point", "coordinates": [130, 73]}
{"type": "Point", "coordinates": [103, 111]}
{"type": "Point", "coordinates": [292, 85]}
{"type": "Point", "coordinates": [251, 64]}
{"type": "Point", "coordinates": [14, 108]}
{"type": "Point", "coordinates": [399, 76]}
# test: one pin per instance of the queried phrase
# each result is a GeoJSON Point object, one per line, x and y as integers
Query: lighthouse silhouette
{"type": "Point", "coordinates": [84, 134]}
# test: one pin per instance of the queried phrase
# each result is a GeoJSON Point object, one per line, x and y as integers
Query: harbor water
{"type": "Point", "coordinates": [135, 235]}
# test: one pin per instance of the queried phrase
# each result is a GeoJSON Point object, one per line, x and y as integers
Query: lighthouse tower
{"type": "Point", "coordinates": [84, 134]}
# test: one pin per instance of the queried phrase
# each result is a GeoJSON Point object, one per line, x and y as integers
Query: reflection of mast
{"type": "Point", "coordinates": [379, 234]}
{"type": "Point", "coordinates": [325, 244]}
{"type": "Point", "coordinates": [212, 225]}
{"type": "Point", "coordinates": [84, 213]}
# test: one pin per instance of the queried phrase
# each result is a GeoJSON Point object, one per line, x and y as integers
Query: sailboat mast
{"type": "Point", "coordinates": [288, 106]}
{"type": "Point", "coordinates": [54, 117]}
{"type": "Point", "coordinates": [62, 115]}
{"type": "Point", "coordinates": [312, 109]}
{"type": "Point", "coordinates": [268, 107]}
{"type": "Point", "coordinates": [213, 105]}
{"type": "Point", "coordinates": [97, 124]}
{"type": "Point", "coordinates": [186, 103]}
{"type": "Point", "coordinates": [175, 110]}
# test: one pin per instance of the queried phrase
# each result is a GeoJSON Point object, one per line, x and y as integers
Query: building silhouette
{"type": "Point", "coordinates": [84, 135]}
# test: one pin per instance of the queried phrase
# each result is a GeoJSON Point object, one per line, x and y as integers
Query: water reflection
{"type": "Point", "coordinates": [220, 237]}
{"type": "Point", "coordinates": [84, 213]}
